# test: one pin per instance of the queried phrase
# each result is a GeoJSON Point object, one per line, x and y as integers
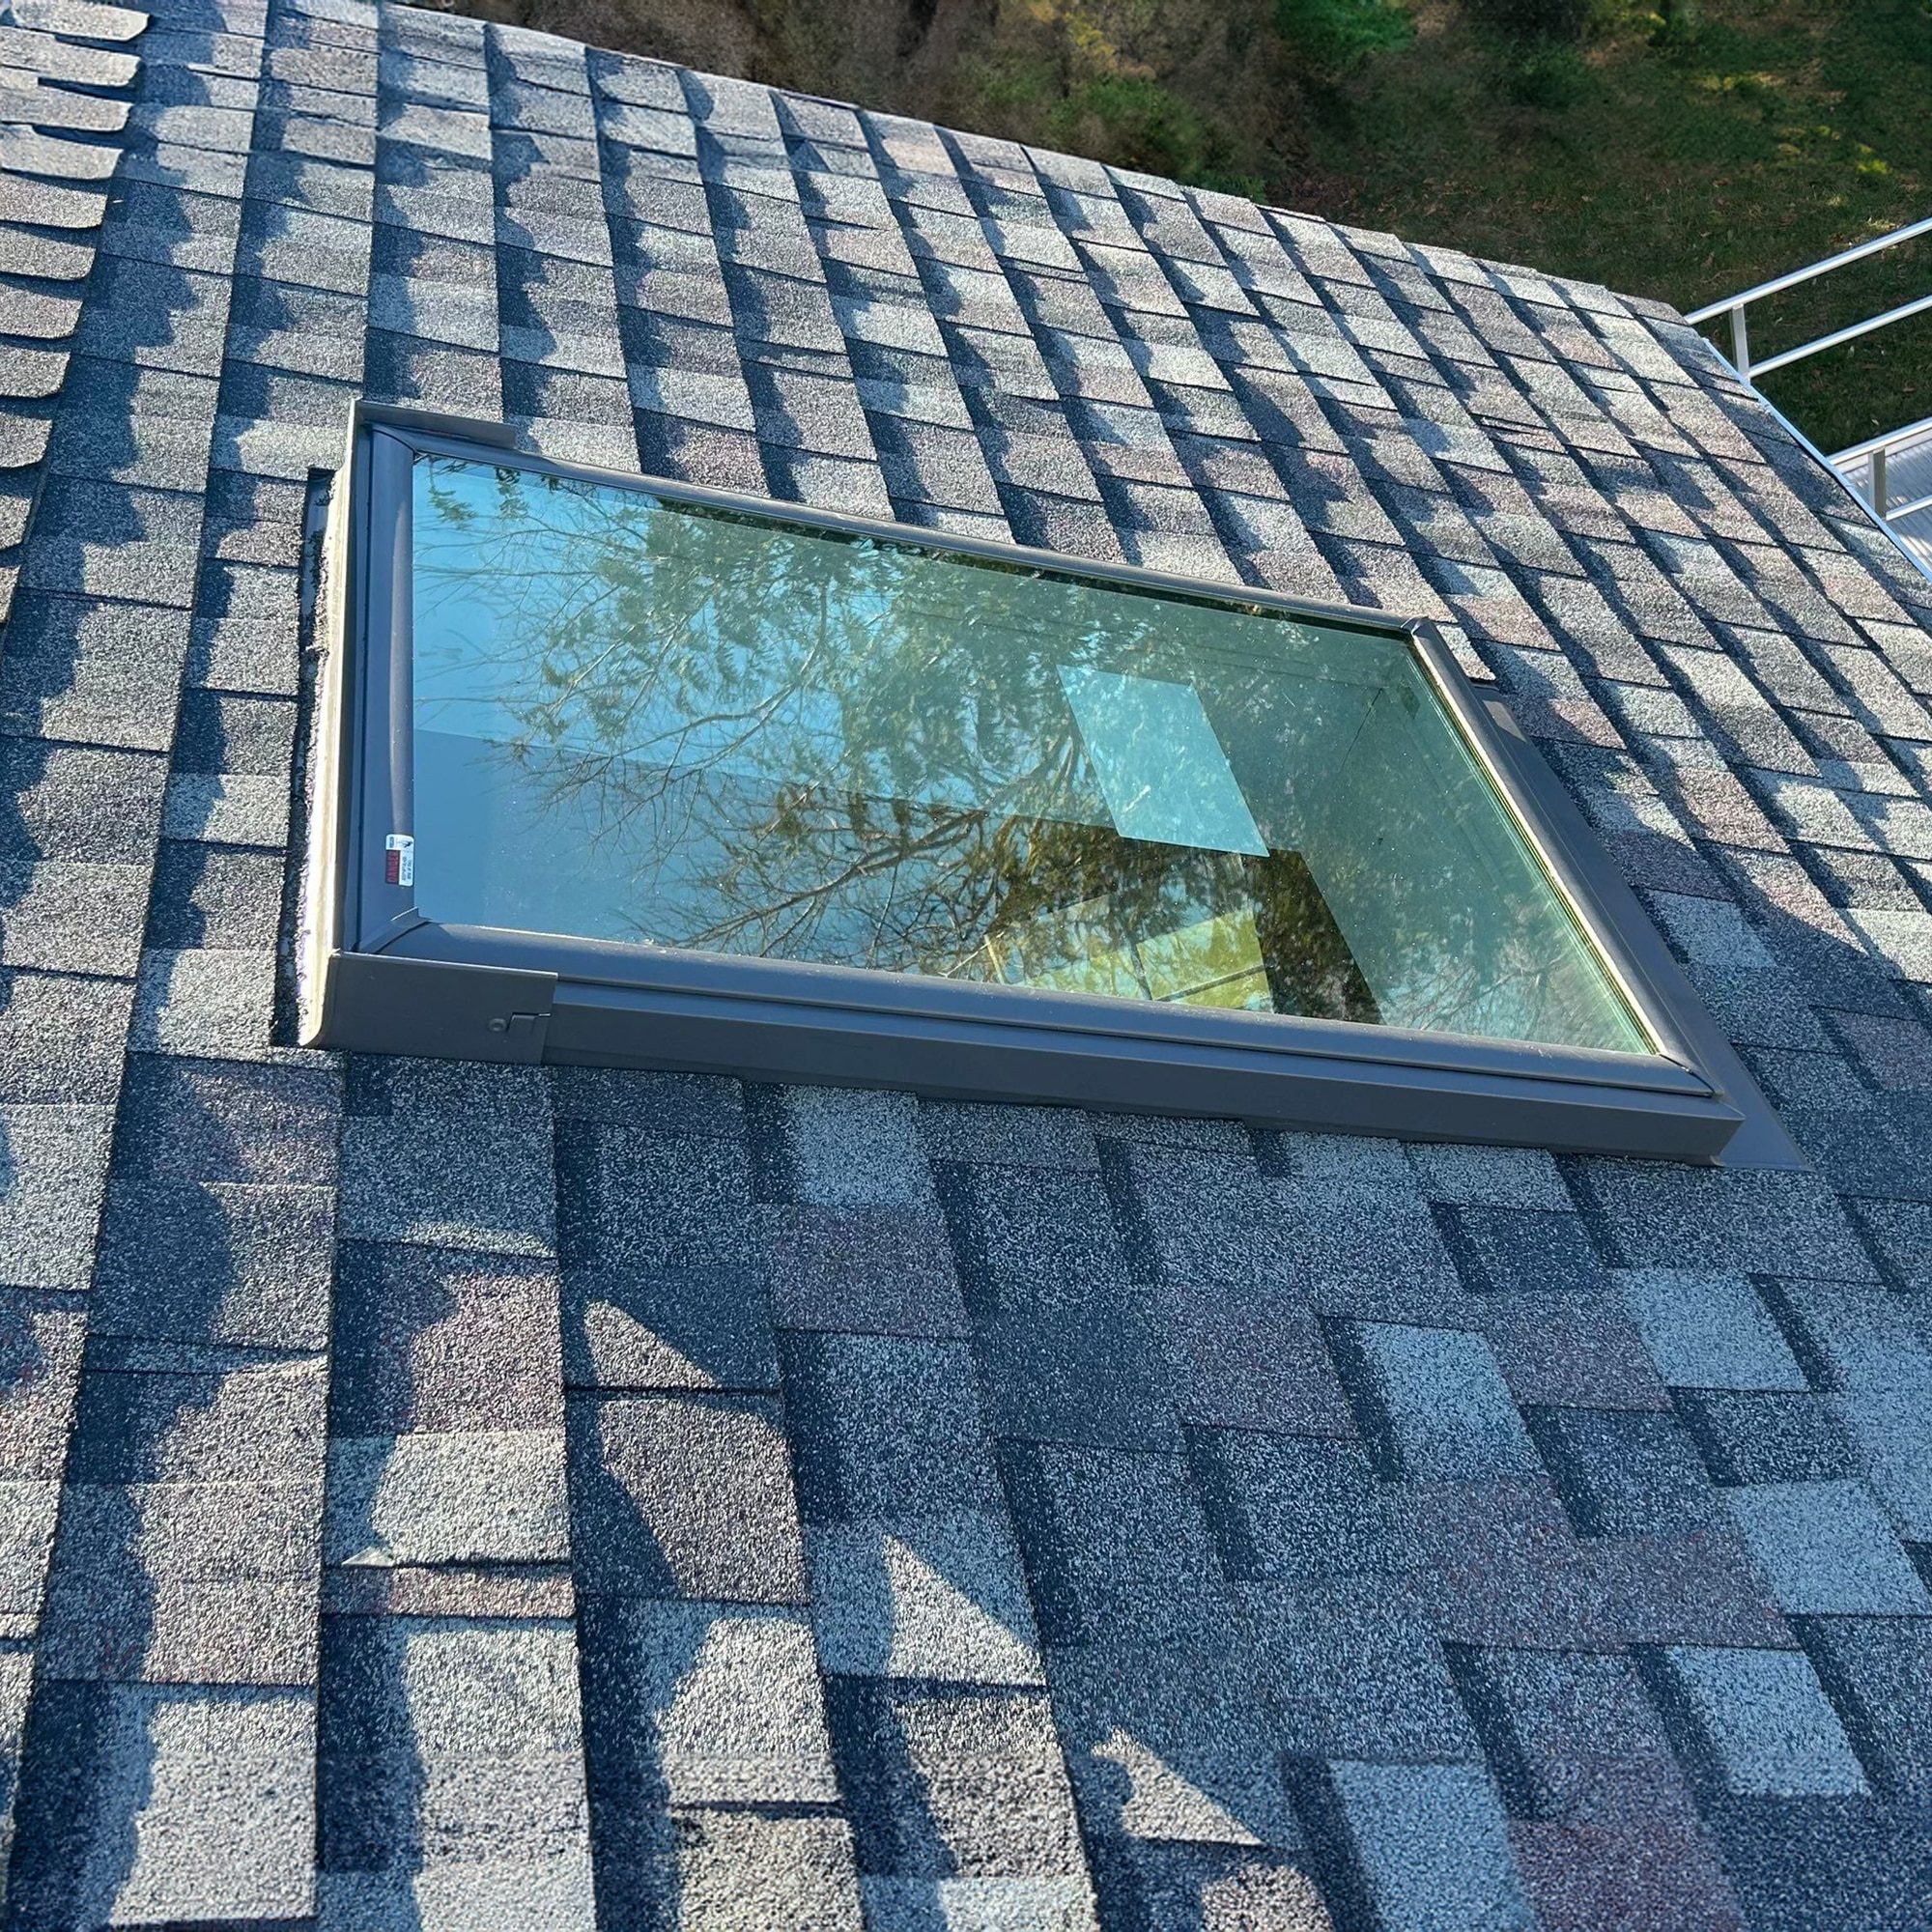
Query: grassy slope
{"type": "Point", "coordinates": [1680, 166]}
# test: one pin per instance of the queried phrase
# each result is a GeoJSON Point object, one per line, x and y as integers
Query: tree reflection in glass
{"type": "Point", "coordinates": [645, 722]}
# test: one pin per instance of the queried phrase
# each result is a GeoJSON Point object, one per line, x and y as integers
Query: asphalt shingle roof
{"type": "Point", "coordinates": [439, 1496]}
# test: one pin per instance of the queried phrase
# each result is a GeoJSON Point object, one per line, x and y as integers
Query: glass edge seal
{"type": "Point", "coordinates": [339, 622]}
{"type": "Point", "coordinates": [1573, 890]}
{"type": "Point", "coordinates": [381, 853]}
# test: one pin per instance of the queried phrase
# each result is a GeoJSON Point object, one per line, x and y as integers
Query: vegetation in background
{"type": "Point", "coordinates": [1533, 21]}
{"type": "Point", "coordinates": [1332, 36]}
{"type": "Point", "coordinates": [1683, 148]}
{"type": "Point", "coordinates": [1685, 154]}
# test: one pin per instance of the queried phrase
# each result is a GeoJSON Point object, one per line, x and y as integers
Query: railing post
{"type": "Point", "coordinates": [1740, 342]}
{"type": "Point", "coordinates": [1878, 481]}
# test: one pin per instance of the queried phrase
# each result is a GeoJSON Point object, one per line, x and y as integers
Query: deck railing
{"type": "Point", "coordinates": [1873, 457]}
{"type": "Point", "coordinates": [1875, 453]}
{"type": "Point", "coordinates": [1736, 305]}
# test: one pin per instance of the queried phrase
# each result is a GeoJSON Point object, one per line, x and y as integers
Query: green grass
{"type": "Point", "coordinates": [1334, 36]}
{"type": "Point", "coordinates": [1683, 160]}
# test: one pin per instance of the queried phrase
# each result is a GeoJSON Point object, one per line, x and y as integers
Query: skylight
{"type": "Point", "coordinates": [655, 723]}
{"type": "Point", "coordinates": [616, 770]}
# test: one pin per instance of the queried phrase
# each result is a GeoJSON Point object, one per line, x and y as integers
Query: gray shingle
{"type": "Point", "coordinates": [886, 1426]}
{"type": "Point", "coordinates": [212, 1788]}
{"type": "Point", "coordinates": [1430, 1845]}
{"type": "Point", "coordinates": [462, 1739]}
{"type": "Point", "coordinates": [1862, 1339]}
{"type": "Point", "coordinates": [654, 1204]}
{"type": "Point", "coordinates": [883, 1270]}
{"type": "Point", "coordinates": [40, 1369]}
{"type": "Point", "coordinates": [240, 810]}
{"type": "Point", "coordinates": [775, 295]}
{"type": "Point", "coordinates": [1894, 1437]}
{"type": "Point", "coordinates": [1828, 1549]}
{"type": "Point", "coordinates": [1325, 1237]}
{"type": "Point", "coordinates": [24, 152]}
{"type": "Point", "coordinates": [1492, 1177]}
{"type": "Point", "coordinates": [1901, 1236]}
{"type": "Point", "coordinates": [65, 802]}
{"type": "Point", "coordinates": [1257, 1360]}
{"type": "Point", "coordinates": [207, 895]}
{"type": "Point", "coordinates": [114, 541]}
{"type": "Point", "coordinates": [55, 1170]}
{"type": "Point", "coordinates": [447, 1496]}
{"type": "Point", "coordinates": [1116, 1543]}
{"type": "Point", "coordinates": [683, 1496]}
{"type": "Point", "coordinates": [1349, 1664]}
{"type": "Point", "coordinates": [215, 1262]}
{"type": "Point", "coordinates": [1765, 1722]}
{"type": "Point", "coordinates": [1166, 1744]}
{"type": "Point", "coordinates": [213, 1002]}
{"type": "Point", "coordinates": [695, 1327]}
{"type": "Point", "coordinates": [248, 1425]}
{"type": "Point", "coordinates": [59, 1038]}
{"type": "Point", "coordinates": [1716, 1221]}
{"type": "Point", "coordinates": [1575, 1736]}
{"type": "Point", "coordinates": [849, 1148]}
{"type": "Point", "coordinates": [1164, 1883]}
{"type": "Point", "coordinates": [28, 1513]}
{"type": "Point", "coordinates": [921, 1597]}
{"type": "Point", "coordinates": [1289, 1509]}
{"type": "Point", "coordinates": [1434, 1404]}
{"type": "Point", "coordinates": [1508, 1570]}
{"type": "Point", "coordinates": [764, 1873]}
{"type": "Point", "coordinates": [184, 1582]}
{"type": "Point", "coordinates": [1771, 1439]}
{"type": "Point", "coordinates": [459, 1157]}
{"type": "Point", "coordinates": [196, 1121]}
{"type": "Point", "coordinates": [1709, 1331]}
{"type": "Point", "coordinates": [1503, 1250]}
{"type": "Point", "coordinates": [1624, 1473]}
{"type": "Point", "coordinates": [430, 1340]}
{"type": "Point", "coordinates": [1877, 1668]}
{"type": "Point", "coordinates": [950, 1781]}
{"type": "Point", "coordinates": [704, 1705]}
{"type": "Point", "coordinates": [999, 1134]}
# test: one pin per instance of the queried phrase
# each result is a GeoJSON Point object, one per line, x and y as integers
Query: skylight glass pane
{"type": "Point", "coordinates": [645, 722]}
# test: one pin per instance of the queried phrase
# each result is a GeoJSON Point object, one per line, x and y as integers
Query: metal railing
{"type": "Point", "coordinates": [1735, 307]}
{"type": "Point", "coordinates": [1875, 453]}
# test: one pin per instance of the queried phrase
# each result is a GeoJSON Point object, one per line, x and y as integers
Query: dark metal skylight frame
{"type": "Point", "coordinates": [379, 976]}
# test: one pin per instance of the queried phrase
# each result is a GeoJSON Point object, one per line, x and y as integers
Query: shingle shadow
{"type": "Point", "coordinates": [68, 1862]}
{"type": "Point", "coordinates": [371, 1780]}
{"type": "Point", "coordinates": [635, 1870]}
{"type": "Point", "coordinates": [88, 1771]}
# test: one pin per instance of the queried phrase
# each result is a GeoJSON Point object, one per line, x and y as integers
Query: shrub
{"type": "Point", "coordinates": [1135, 123]}
{"type": "Point", "coordinates": [1548, 73]}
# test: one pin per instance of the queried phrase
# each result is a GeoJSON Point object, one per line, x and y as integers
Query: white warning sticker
{"type": "Point", "coordinates": [399, 859]}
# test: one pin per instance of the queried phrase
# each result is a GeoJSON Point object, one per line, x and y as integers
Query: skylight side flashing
{"type": "Point", "coordinates": [381, 977]}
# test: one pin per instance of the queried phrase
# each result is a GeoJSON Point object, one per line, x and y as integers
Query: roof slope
{"type": "Point", "coordinates": [450, 1497]}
